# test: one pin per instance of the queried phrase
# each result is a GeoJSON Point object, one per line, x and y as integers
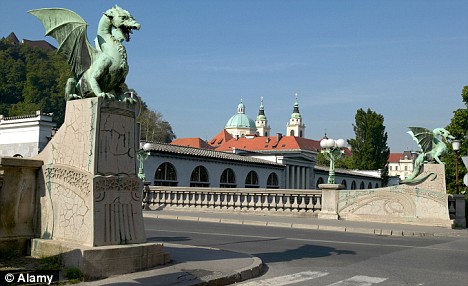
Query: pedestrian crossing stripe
{"type": "Point", "coordinates": [287, 279]}
{"type": "Point", "coordinates": [358, 280]}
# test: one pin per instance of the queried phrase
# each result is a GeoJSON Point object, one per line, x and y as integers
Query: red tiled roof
{"type": "Point", "coordinates": [395, 157]}
{"type": "Point", "coordinates": [220, 138]}
{"type": "Point", "coordinates": [271, 143]}
{"type": "Point", "coordinates": [192, 142]}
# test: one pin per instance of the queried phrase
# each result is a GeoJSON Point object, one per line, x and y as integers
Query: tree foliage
{"type": "Point", "coordinates": [370, 150]}
{"type": "Point", "coordinates": [153, 128]}
{"type": "Point", "coordinates": [458, 127]}
{"type": "Point", "coordinates": [32, 79]}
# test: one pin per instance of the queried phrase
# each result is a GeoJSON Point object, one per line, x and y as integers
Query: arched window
{"type": "Point", "coordinates": [376, 185]}
{"type": "Point", "coordinates": [369, 186]}
{"type": "Point", "coordinates": [300, 134]}
{"type": "Point", "coordinates": [291, 133]}
{"type": "Point", "coordinates": [272, 182]}
{"type": "Point", "coordinates": [228, 179]}
{"type": "Point", "coordinates": [165, 175]}
{"type": "Point", "coordinates": [251, 181]}
{"type": "Point", "coordinates": [344, 184]}
{"type": "Point", "coordinates": [362, 186]}
{"type": "Point", "coordinates": [353, 185]}
{"type": "Point", "coordinates": [199, 177]}
{"type": "Point", "coordinates": [319, 181]}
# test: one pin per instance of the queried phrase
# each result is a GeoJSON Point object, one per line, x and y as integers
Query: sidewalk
{"type": "Point", "coordinates": [305, 222]}
{"type": "Point", "coordinates": [192, 266]}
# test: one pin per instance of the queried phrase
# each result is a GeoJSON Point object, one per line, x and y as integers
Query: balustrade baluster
{"type": "Point", "coordinates": [274, 204]}
{"type": "Point", "coordinates": [302, 205]}
{"type": "Point", "coordinates": [295, 205]}
{"type": "Point", "coordinates": [287, 203]}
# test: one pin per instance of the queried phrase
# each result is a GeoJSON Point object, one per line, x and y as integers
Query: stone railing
{"type": "Point", "coordinates": [244, 200]}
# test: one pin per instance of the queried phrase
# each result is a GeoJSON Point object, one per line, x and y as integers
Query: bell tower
{"type": "Point", "coordinates": [263, 129]}
{"type": "Point", "coordinates": [295, 126]}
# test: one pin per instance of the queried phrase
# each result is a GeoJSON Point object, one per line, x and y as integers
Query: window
{"type": "Point", "coordinates": [165, 175]}
{"type": "Point", "coordinates": [251, 181]}
{"type": "Point", "coordinates": [291, 133]}
{"type": "Point", "coordinates": [353, 185]}
{"type": "Point", "coordinates": [362, 186]}
{"type": "Point", "coordinates": [199, 177]}
{"type": "Point", "coordinates": [228, 179]}
{"type": "Point", "coordinates": [369, 186]}
{"type": "Point", "coordinates": [272, 182]}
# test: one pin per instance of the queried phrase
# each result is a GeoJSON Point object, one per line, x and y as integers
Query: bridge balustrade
{"type": "Point", "coordinates": [244, 200]}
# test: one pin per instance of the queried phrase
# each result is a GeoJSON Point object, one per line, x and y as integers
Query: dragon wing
{"type": "Point", "coordinates": [424, 137]}
{"type": "Point", "coordinates": [69, 29]}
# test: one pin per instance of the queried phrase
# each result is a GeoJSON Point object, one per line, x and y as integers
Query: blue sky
{"type": "Point", "coordinates": [194, 60]}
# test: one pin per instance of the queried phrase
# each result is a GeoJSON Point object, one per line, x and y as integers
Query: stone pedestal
{"type": "Point", "coordinates": [90, 194]}
{"type": "Point", "coordinates": [330, 196]}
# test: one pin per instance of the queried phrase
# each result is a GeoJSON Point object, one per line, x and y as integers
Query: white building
{"type": "Point", "coordinates": [25, 135]}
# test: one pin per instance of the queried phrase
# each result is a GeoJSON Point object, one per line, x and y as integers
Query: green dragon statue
{"type": "Point", "coordinates": [432, 144]}
{"type": "Point", "coordinates": [99, 71]}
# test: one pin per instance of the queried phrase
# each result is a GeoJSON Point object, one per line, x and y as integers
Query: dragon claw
{"type": "Point", "coordinates": [73, 96]}
{"type": "Point", "coordinates": [106, 95]}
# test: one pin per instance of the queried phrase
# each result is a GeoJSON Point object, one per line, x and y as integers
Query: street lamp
{"type": "Point", "coordinates": [332, 150]}
{"type": "Point", "coordinates": [456, 147]}
{"type": "Point", "coordinates": [142, 155]}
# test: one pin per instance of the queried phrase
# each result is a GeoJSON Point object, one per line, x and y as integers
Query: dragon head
{"type": "Point", "coordinates": [123, 22]}
{"type": "Point", "coordinates": [443, 133]}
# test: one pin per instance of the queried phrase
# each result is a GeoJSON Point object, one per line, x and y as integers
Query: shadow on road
{"type": "Point", "coordinates": [305, 251]}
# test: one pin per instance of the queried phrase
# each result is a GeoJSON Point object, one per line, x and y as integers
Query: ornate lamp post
{"type": "Point", "coordinates": [142, 155]}
{"type": "Point", "coordinates": [456, 147]}
{"type": "Point", "coordinates": [332, 150]}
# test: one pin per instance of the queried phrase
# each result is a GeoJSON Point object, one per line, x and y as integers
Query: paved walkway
{"type": "Point", "coordinates": [306, 222]}
{"type": "Point", "coordinates": [208, 266]}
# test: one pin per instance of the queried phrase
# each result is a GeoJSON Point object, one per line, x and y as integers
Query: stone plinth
{"type": "Point", "coordinates": [90, 195]}
{"type": "Point", "coordinates": [330, 196]}
{"type": "Point", "coordinates": [104, 261]}
{"type": "Point", "coordinates": [17, 202]}
{"type": "Point", "coordinates": [90, 192]}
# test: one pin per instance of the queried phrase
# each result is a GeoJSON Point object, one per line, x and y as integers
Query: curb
{"type": "Point", "coordinates": [360, 230]}
{"type": "Point", "coordinates": [254, 270]}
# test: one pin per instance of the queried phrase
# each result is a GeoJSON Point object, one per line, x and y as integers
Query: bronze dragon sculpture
{"type": "Point", "coordinates": [99, 71]}
{"type": "Point", "coordinates": [432, 144]}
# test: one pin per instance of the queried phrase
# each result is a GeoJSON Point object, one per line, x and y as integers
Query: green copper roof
{"type": "Point", "coordinates": [296, 114]}
{"type": "Point", "coordinates": [261, 111]}
{"type": "Point", "coordinates": [240, 120]}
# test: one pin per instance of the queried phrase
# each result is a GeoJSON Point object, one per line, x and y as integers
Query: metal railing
{"type": "Point", "coordinates": [256, 200]}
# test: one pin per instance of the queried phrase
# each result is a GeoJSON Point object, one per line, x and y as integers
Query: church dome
{"type": "Point", "coordinates": [240, 120]}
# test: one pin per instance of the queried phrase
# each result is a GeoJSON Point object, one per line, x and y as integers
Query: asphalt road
{"type": "Point", "coordinates": [308, 257]}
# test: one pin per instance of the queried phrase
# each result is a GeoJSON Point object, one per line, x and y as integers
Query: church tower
{"type": "Point", "coordinates": [263, 129]}
{"type": "Point", "coordinates": [295, 126]}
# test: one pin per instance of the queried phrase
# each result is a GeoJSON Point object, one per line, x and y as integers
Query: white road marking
{"type": "Point", "coordinates": [359, 281]}
{"type": "Point", "coordinates": [287, 279]}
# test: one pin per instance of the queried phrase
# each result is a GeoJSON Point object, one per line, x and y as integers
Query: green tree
{"type": "Point", "coordinates": [32, 79]}
{"type": "Point", "coordinates": [344, 162]}
{"type": "Point", "coordinates": [458, 127]}
{"type": "Point", "coordinates": [370, 150]}
{"type": "Point", "coordinates": [153, 128]}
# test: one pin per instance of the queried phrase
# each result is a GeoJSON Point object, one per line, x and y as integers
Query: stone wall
{"type": "Point", "coordinates": [425, 203]}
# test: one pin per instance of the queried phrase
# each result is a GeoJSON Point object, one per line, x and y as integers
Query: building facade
{"type": "Point", "coordinates": [25, 135]}
{"type": "Point", "coordinates": [401, 164]}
